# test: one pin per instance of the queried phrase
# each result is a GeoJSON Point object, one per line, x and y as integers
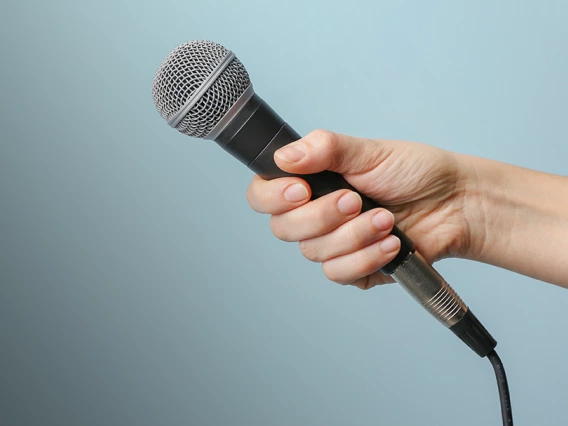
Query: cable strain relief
{"type": "Point", "coordinates": [470, 330]}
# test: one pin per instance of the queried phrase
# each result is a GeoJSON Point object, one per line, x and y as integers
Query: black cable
{"type": "Point", "coordinates": [503, 386]}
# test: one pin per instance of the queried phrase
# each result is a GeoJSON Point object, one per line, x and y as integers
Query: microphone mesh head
{"type": "Point", "coordinates": [181, 74]}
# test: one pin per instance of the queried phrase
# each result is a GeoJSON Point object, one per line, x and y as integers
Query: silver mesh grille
{"type": "Point", "coordinates": [181, 74]}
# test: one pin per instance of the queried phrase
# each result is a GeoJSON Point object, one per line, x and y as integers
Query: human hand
{"type": "Point", "coordinates": [420, 184]}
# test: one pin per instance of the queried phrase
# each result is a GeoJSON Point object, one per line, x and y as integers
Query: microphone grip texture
{"type": "Point", "coordinates": [322, 183]}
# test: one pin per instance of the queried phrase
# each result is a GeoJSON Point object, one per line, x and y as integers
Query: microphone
{"type": "Point", "coordinates": [204, 91]}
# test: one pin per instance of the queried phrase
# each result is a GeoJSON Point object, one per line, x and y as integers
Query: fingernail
{"type": "Point", "coordinates": [390, 244]}
{"type": "Point", "coordinates": [295, 193]}
{"type": "Point", "coordinates": [292, 153]}
{"type": "Point", "coordinates": [383, 220]}
{"type": "Point", "coordinates": [349, 203]}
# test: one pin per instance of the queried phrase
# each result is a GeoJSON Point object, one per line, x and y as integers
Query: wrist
{"type": "Point", "coordinates": [470, 187]}
{"type": "Point", "coordinates": [487, 208]}
{"type": "Point", "coordinates": [516, 218]}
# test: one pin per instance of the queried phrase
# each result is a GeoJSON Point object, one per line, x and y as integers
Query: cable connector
{"type": "Point", "coordinates": [470, 330]}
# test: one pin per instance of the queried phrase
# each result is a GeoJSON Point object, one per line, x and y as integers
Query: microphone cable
{"type": "Point", "coordinates": [503, 386]}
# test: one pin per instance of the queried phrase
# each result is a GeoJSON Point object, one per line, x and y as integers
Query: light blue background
{"type": "Point", "coordinates": [138, 288]}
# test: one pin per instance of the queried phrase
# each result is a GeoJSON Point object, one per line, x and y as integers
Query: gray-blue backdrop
{"type": "Point", "coordinates": [138, 288]}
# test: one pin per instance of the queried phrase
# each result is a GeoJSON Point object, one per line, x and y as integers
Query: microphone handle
{"type": "Point", "coordinates": [256, 132]}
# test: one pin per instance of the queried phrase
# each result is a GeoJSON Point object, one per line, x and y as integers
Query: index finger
{"type": "Point", "coordinates": [278, 195]}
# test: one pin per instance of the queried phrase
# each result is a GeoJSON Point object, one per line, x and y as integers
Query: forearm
{"type": "Point", "coordinates": [518, 219]}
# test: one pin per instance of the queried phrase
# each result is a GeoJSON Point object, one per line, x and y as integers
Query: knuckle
{"type": "Point", "coordinates": [332, 274]}
{"type": "Point", "coordinates": [320, 218]}
{"type": "Point", "coordinates": [257, 199]}
{"type": "Point", "coordinates": [278, 228]}
{"type": "Point", "coordinates": [310, 251]}
{"type": "Point", "coordinates": [281, 229]}
{"type": "Point", "coordinates": [317, 216]}
{"type": "Point", "coordinates": [325, 138]}
{"type": "Point", "coordinates": [250, 197]}
{"type": "Point", "coordinates": [365, 263]}
{"type": "Point", "coordinates": [353, 233]}
{"type": "Point", "coordinates": [253, 203]}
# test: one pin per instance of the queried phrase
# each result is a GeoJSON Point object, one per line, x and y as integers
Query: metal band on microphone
{"type": "Point", "coordinates": [229, 115]}
{"type": "Point", "coordinates": [176, 119]}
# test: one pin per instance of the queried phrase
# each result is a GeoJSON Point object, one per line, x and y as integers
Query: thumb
{"type": "Point", "coordinates": [323, 150]}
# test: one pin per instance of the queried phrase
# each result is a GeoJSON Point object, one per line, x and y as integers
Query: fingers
{"type": "Point", "coordinates": [323, 150]}
{"type": "Point", "coordinates": [350, 268]}
{"type": "Point", "coordinates": [354, 252]}
{"type": "Point", "coordinates": [376, 278]}
{"type": "Point", "coordinates": [277, 196]}
{"type": "Point", "coordinates": [353, 235]}
{"type": "Point", "coordinates": [317, 217]}
{"type": "Point", "coordinates": [351, 247]}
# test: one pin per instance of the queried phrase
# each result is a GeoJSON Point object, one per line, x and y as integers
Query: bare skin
{"type": "Point", "coordinates": [450, 205]}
